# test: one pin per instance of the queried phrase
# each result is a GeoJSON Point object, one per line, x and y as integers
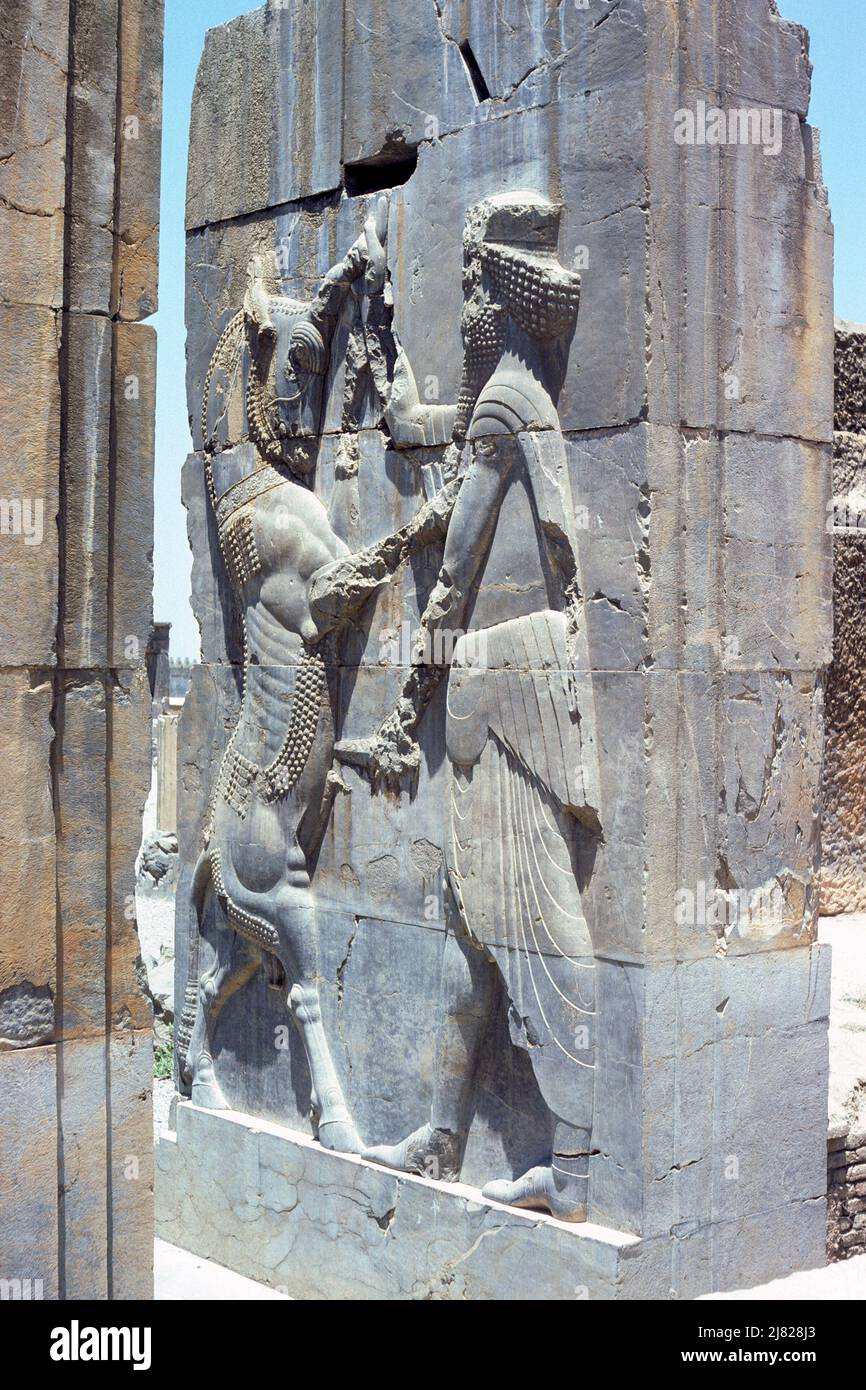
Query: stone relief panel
{"type": "Point", "coordinates": [506, 615]}
{"type": "Point", "coordinates": [509, 717]}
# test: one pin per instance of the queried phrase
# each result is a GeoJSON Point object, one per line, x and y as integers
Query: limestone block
{"type": "Point", "coordinates": [719, 1061]}
{"type": "Point", "coordinates": [693, 1045]}
{"type": "Point", "coordinates": [31, 271]}
{"type": "Point", "coordinates": [87, 473]}
{"type": "Point", "coordinates": [93, 113]}
{"type": "Point", "coordinates": [529, 55]}
{"type": "Point", "coordinates": [321, 1225]}
{"type": "Point", "coordinates": [255, 141]}
{"type": "Point", "coordinates": [403, 83]}
{"type": "Point", "coordinates": [32, 150]}
{"type": "Point", "coordinates": [134, 390]}
{"type": "Point", "coordinates": [703, 614]}
{"type": "Point", "coordinates": [770, 754]}
{"type": "Point", "coordinates": [794, 398]}
{"type": "Point", "coordinates": [740, 880]}
{"type": "Point", "coordinates": [735, 1254]}
{"type": "Point", "coordinates": [80, 715]}
{"type": "Point", "coordinates": [741, 202]}
{"type": "Point", "coordinates": [136, 217]}
{"type": "Point", "coordinates": [83, 1125]}
{"type": "Point", "coordinates": [776, 556]}
{"type": "Point", "coordinates": [47, 35]}
{"type": "Point", "coordinates": [758, 56]}
{"type": "Point", "coordinates": [27, 961]}
{"type": "Point", "coordinates": [29, 485]}
{"type": "Point", "coordinates": [131, 1160]}
{"type": "Point", "coordinates": [28, 1172]}
{"type": "Point", "coordinates": [708, 362]}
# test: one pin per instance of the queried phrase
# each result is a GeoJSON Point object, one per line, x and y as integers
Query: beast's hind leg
{"type": "Point", "coordinates": [298, 928]}
{"type": "Point", "coordinates": [334, 1125]}
{"type": "Point", "coordinates": [283, 921]}
{"type": "Point", "coordinates": [216, 987]}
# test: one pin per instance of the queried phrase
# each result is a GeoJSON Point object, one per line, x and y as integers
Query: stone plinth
{"type": "Point", "coordinates": [319, 1225]}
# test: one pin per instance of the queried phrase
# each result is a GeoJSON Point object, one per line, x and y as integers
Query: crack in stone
{"type": "Point", "coordinates": [341, 968]}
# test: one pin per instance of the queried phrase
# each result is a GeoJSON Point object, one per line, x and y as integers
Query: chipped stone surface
{"type": "Point", "coordinates": [26, 1015]}
{"type": "Point", "coordinates": [684, 440]}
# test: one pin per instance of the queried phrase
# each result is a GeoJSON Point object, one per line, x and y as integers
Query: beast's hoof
{"type": "Point", "coordinates": [431, 1153]}
{"type": "Point", "coordinates": [205, 1090]}
{"type": "Point", "coordinates": [341, 1136]}
{"type": "Point", "coordinates": [537, 1191]}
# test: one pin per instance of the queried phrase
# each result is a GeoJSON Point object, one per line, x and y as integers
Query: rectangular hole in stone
{"type": "Point", "coordinates": [370, 175]}
{"type": "Point", "coordinates": [474, 73]}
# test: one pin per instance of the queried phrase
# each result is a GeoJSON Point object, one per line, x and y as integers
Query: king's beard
{"type": "Point", "coordinates": [483, 345]}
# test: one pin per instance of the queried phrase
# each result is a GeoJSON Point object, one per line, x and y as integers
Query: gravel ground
{"type": "Point", "coordinates": [163, 1092]}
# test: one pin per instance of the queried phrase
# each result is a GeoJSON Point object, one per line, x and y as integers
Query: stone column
{"type": "Point", "coordinates": [696, 416]}
{"type": "Point", "coordinates": [159, 664]}
{"type": "Point", "coordinates": [80, 134]}
{"type": "Point", "coordinates": [166, 772]}
{"type": "Point", "coordinates": [843, 826]}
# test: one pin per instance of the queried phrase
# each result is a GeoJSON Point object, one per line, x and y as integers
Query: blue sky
{"type": "Point", "coordinates": [838, 47]}
{"type": "Point", "coordinates": [186, 22]}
